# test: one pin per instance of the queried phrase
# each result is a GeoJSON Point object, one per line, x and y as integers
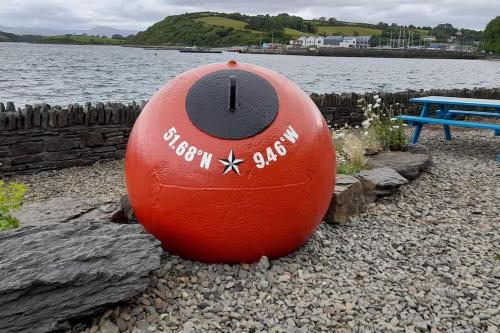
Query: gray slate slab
{"type": "Point", "coordinates": [408, 165]}
{"type": "Point", "coordinates": [55, 272]}
{"type": "Point", "coordinates": [380, 182]}
{"type": "Point", "coordinates": [71, 209]}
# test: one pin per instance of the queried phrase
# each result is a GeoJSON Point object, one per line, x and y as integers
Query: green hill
{"type": "Point", "coordinates": [188, 29]}
{"type": "Point", "coordinates": [80, 39]}
{"type": "Point", "coordinates": [492, 36]}
{"type": "Point", "coordinates": [8, 37]}
{"type": "Point", "coordinates": [211, 29]}
{"type": "Point", "coordinates": [220, 29]}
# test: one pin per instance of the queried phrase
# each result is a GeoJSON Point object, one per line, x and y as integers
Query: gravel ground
{"type": "Point", "coordinates": [426, 259]}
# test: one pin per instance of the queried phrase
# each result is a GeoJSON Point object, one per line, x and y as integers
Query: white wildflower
{"type": "Point", "coordinates": [379, 100]}
{"type": "Point", "coordinates": [376, 106]}
{"type": "Point", "coordinates": [376, 97]}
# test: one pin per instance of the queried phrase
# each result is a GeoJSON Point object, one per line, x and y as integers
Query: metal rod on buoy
{"type": "Point", "coordinates": [232, 93]}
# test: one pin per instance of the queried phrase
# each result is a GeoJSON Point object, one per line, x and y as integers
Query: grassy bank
{"type": "Point", "coordinates": [80, 40]}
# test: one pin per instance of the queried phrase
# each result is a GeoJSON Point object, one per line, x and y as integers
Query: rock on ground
{"type": "Point", "coordinates": [408, 165]}
{"type": "Point", "coordinates": [380, 182]}
{"type": "Point", "coordinates": [348, 199]}
{"type": "Point", "coordinates": [52, 273]}
{"type": "Point", "coordinates": [75, 209]}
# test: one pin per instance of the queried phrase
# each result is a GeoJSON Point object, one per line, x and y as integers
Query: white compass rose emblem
{"type": "Point", "coordinates": [231, 164]}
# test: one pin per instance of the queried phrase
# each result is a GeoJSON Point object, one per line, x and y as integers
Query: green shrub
{"type": "Point", "coordinates": [390, 134]}
{"type": "Point", "coordinates": [379, 131]}
{"type": "Point", "coordinates": [11, 197]}
{"type": "Point", "coordinates": [382, 127]}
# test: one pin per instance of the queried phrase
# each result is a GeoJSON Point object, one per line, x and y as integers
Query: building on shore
{"type": "Point", "coordinates": [311, 41]}
{"type": "Point", "coordinates": [332, 41]}
{"type": "Point", "coordinates": [362, 42]}
{"type": "Point", "coordinates": [272, 45]}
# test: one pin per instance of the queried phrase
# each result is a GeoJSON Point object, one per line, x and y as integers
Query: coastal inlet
{"type": "Point", "coordinates": [59, 74]}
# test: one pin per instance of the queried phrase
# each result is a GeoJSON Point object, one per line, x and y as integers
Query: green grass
{"type": "Point", "coordinates": [347, 30]}
{"type": "Point", "coordinates": [420, 31]}
{"type": "Point", "coordinates": [80, 39]}
{"type": "Point", "coordinates": [11, 197]}
{"type": "Point", "coordinates": [222, 22]}
{"type": "Point", "coordinates": [349, 168]}
{"type": "Point", "coordinates": [296, 33]}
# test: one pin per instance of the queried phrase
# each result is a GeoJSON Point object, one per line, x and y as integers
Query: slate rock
{"type": "Point", "coordinates": [124, 212]}
{"type": "Point", "coordinates": [419, 149]}
{"type": "Point", "coordinates": [93, 139]}
{"type": "Point", "coordinates": [10, 107]}
{"type": "Point", "coordinates": [348, 199]}
{"type": "Point", "coordinates": [71, 209]}
{"type": "Point", "coordinates": [3, 120]}
{"type": "Point", "coordinates": [54, 273]}
{"type": "Point", "coordinates": [27, 148]}
{"type": "Point", "coordinates": [407, 164]}
{"type": "Point", "coordinates": [60, 144]}
{"type": "Point", "coordinates": [380, 182]}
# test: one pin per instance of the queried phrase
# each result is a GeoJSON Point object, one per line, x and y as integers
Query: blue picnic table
{"type": "Point", "coordinates": [446, 113]}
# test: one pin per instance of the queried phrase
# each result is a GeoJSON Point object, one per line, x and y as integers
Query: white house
{"type": "Point", "coordinates": [320, 41]}
{"type": "Point", "coordinates": [303, 40]}
{"type": "Point", "coordinates": [312, 41]}
{"type": "Point", "coordinates": [348, 42]}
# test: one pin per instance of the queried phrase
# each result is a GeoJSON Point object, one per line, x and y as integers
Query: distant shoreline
{"type": "Point", "coordinates": [375, 53]}
{"type": "Point", "coordinates": [326, 52]}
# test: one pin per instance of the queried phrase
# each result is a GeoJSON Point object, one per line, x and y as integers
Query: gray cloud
{"type": "Point", "coordinates": [139, 14]}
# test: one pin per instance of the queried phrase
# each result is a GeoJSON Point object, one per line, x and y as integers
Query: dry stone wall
{"type": "Point", "coordinates": [41, 137]}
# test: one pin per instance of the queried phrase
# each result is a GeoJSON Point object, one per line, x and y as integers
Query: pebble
{"type": "Point", "coordinates": [418, 261]}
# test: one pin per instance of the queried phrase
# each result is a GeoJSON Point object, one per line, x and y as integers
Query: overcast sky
{"type": "Point", "coordinates": [139, 14]}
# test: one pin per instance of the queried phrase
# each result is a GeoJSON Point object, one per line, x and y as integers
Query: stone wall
{"type": "Point", "coordinates": [41, 137]}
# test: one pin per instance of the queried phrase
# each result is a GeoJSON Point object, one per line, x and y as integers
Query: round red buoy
{"type": "Point", "coordinates": [230, 162]}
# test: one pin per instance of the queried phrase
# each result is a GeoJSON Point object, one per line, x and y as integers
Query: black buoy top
{"type": "Point", "coordinates": [232, 104]}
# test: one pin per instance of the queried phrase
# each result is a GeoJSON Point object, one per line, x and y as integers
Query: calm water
{"type": "Point", "coordinates": [62, 74]}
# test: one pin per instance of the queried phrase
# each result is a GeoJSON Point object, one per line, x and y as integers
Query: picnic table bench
{"type": "Point", "coordinates": [445, 114]}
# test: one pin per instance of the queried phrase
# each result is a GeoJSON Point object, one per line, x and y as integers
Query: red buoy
{"type": "Point", "coordinates": [230, 162]}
